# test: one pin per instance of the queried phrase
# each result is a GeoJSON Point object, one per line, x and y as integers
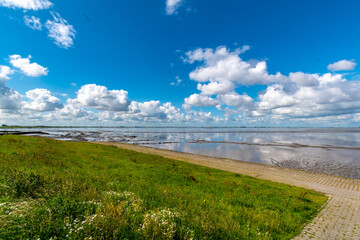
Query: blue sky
{"type": "Point", "coordinates": [179, 62]}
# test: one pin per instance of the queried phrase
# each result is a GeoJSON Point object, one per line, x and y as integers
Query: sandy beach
{"type": "Point", "coordinates": [340, 217]}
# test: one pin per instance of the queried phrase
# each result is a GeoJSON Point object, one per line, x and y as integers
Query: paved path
{"type": "Point", "coordinates": [339, 219]}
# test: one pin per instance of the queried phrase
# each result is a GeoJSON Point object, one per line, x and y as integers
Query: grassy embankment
{"type": "Point", "coordinates": [74, 190]}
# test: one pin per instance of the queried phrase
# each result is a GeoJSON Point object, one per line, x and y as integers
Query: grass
{"type": "Point", "coordinates": [69, 190]}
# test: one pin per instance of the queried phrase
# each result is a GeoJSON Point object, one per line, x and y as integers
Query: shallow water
{"type": "Point", "coordinates": [334, 151]}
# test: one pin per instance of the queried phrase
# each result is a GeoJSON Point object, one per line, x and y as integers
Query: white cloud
{"type": "Point", "coordinates": [275, 97]}
{"type": "Point", "coordinates": [332, 96]}
{"type": "Point", "coordinates": [296, 96]}
{"type": "Point", "coordinates": [223, 65]}
{"type": "Point", "coordinates": [33, 22]}
{"type": "Point", "coordinates": [209, 56]}
{"type": "Point", "coordinates": [178, 81]}
{"type": "Point", "coordinates": [70, 112]}
{"type": "Point", "coordinates": [5, 71]}
{"type": "Point", "coordinates": [42, 100]}
{"type": "Point", "coordinates": [61, 31]}
{"type": "Point", "coordinates": [151, 111]}
{"type": "Point", "coordinates": [221, 72]}
{"type": "Point", "coordinates": [199, 101]}
{"type": "Point", "coordinates": [200, 116]}
{"type": "Point", "coordinates": [99, 97]}
{"type": "Point", "coordinates": [151, 108]}
{"type": "Point", "coordinates": [172, 6]}
{"type": "Point", "coordinates": [234, 99]}
{"type": "Point", "coordinates": [213, 88]}
{"type": "Point", "coordinates": [9, 99]}
{"type": "Point", "coordinates": [305, 80]}
{"type": "Point", "coordinates": [26, 4]}
{"type": "Point", "coordinates": [148, 109]}
{"type": "Point", "coordinates": [29, 69]}
{"type": "Point", "coordinates": [343, 65]}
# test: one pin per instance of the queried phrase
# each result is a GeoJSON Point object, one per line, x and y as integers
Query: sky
{"type": "Point", "coordinates": [180, 63]}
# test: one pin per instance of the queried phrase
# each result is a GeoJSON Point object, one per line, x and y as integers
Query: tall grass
{"type": "Point", "coordinates": [65, 190]}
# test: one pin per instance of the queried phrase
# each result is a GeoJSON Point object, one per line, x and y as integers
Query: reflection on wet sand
{"type": "Point", "coordinates": [292, 145]}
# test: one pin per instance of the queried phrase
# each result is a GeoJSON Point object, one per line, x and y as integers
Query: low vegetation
{"type": "Point", "coordinates": [69, 190]}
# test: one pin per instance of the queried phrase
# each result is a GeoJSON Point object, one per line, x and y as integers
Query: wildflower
{"type": "Point", "coordinates": [161, 223]}
{"type": "Point", "coordinates": [128, 200]}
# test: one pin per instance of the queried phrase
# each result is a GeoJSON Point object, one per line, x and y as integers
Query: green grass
{"type": "Point", "coordinates": [72, 190]}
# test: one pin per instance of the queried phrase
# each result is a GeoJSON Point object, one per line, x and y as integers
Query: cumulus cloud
{"type": "Point", "coordinates": [60, 31]}
{"type": "Point", "coordinates": [220, 72]}
{"type": "Point", "coordinates": [200, 100]}
{"type": "Point", "coordinates": [42, 100]}
{"type": "Point", "coordinates": [200, 116]}
{"type": "Point", "coordinates": [99, 97]}
{"type": "Point", "coordinates": [303, 79]}
{"type": "Point", "coordinates": [29, 69]}
{"type": "Point", "coordinates": [26, 4]}
{"type": "Point", "coordinates": [172, 6]}
{"type": "Point", "coordinates": [332, 96]}
{"type": "Point", "coordinates": [343, 65]}
{"type": "Point", "coordinates": [112, 105]}
{"type": "Point", "coordinates": [70, 113]}
{"type": "Point", "coordinates": [9, 99]}
{"type": "Point", "coordinates": [147, 109]}
{"type": "Point", "coordinates": [151, 111]}
{"type": "Point", "coordinates": [151, 108]}
{"type": "Point", "coordinates": [276, 97]}
{"type": "Point", "coordinates": [213, 88]}
{"type": "Point", "coordinates": [234, 99]}
{"type": "Point", "coordinates": [298, 95]}
{"type": "Point", "coordinates": [33, 22]}
{"type": "Point", "coordinates": [223, 65]}
{"type": "Point", "coordinates": [5, 71]}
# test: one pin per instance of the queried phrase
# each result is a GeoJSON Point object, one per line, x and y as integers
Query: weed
{"type": "Point", "coordinates": [22, 184]}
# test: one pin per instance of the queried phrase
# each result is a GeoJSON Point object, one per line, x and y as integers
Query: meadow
{"type": "Point", "coordinates": [52, 189]}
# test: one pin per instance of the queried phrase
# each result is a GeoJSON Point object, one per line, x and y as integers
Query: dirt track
{"type": "Point", "coordinates": [339, 219]}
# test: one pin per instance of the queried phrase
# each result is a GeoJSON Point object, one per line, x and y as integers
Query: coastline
{"type": "Point", "coordinates": [268, 172]}
{"type": "Point", "coordinates": [343, 205]}
{"type": "Point", "coordinates": [332, 151]}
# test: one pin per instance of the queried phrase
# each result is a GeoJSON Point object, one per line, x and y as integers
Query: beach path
{"type": "Point", "coordinates": [340, 217]}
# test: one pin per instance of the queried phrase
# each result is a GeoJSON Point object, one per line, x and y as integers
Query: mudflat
{"type": "Point", "coordinates": [340, 217]}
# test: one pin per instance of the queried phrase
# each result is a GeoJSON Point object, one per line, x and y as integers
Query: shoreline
{"type": "Point", "coordinates": [344, 194]}
{"type": "Point", "coordinates": [311, 152]}
{"type": "Point", "coordinates": [258, 170]}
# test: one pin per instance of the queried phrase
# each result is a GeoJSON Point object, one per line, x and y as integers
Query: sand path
{"type": "Point", "coordinates": [340, 217]}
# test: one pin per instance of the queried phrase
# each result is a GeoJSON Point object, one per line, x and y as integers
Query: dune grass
{"type": "Point", "coordinates": [71, 190]}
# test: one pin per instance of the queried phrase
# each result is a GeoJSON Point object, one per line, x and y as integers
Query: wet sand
{"type": "Point", "coordinates": [291, 145]}
{"type": "Point", "coordinates": [340, 217]}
